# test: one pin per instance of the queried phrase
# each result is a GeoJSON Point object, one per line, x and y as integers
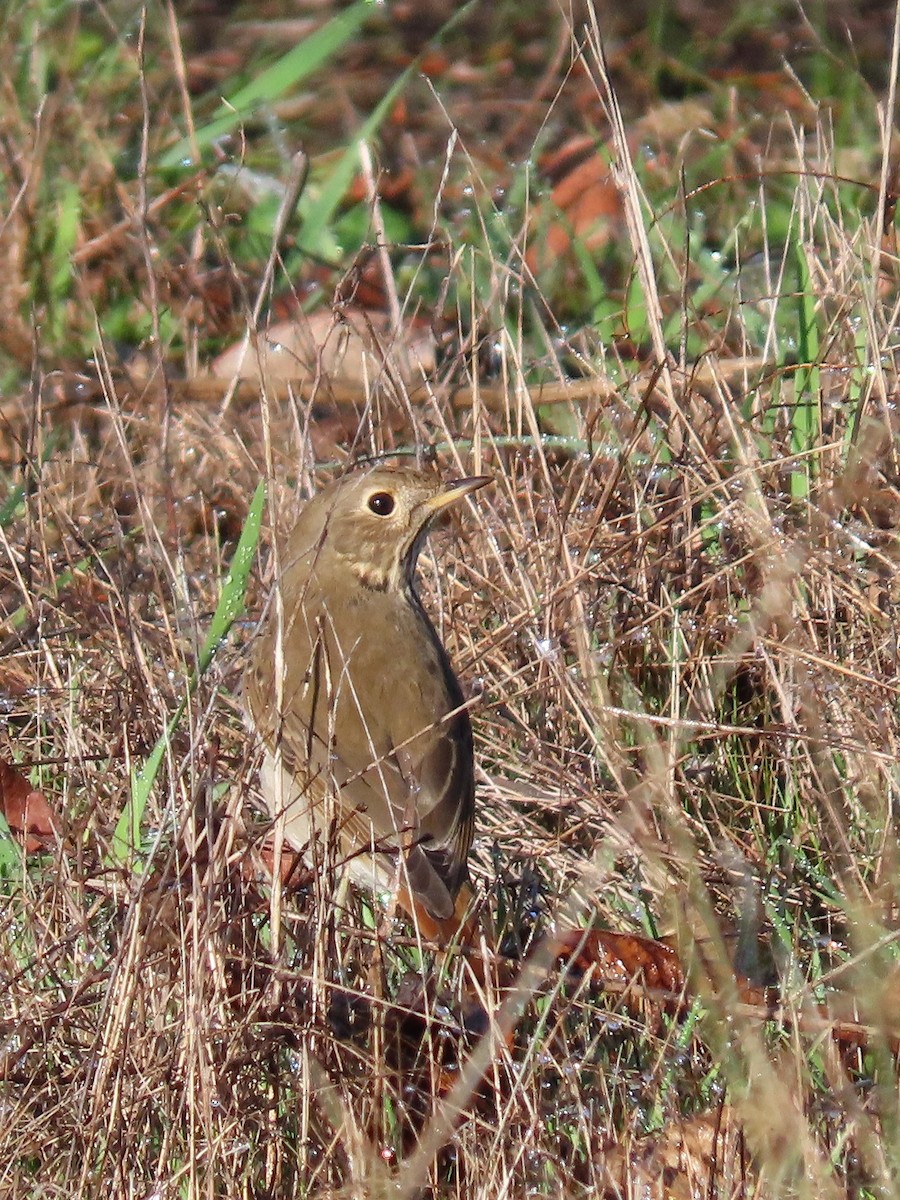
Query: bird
{"type": "Point", "coordinates": [365, 728]}
{"type": "Point", "coordinates": [363, 721]}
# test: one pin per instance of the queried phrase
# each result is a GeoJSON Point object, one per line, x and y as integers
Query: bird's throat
{"type": "Point", "coordinates": [373, 577]}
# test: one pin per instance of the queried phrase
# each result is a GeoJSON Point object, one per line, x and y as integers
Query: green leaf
{"type": "Point", "coordinates": [65, 236]}
{"type": "Point", "coordinates": [127, 833]}
{"type": "Point", "coordinates": [17, 493]}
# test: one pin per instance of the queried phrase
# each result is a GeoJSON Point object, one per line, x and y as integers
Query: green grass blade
{"type": "Point", "coordinates": [316, 221]}
{"type": "Point", "coordinates": [11, 503]}
{"type": "Point", "coordinates": [10, 854]}
{"type": "Point", "coordinates": [335, 188]}
{"type": "Point", "coordinates": [17, 493]}
{"type": "Point", "coordinates": [274, 81]}
{"type": "Point", "coordinates": [126, 836]}
{"type": "Point", "coordinates": [127, 833]}
{"type": "Point", "coordinates": [231, 601]}
{"type": "Point", "coordinates": [65, 239]}
{"type": "Point", "coordinates": [805, 414]}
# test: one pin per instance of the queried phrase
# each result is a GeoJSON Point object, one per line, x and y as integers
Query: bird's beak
{"type": "Point", "coordinates": [455, 491]}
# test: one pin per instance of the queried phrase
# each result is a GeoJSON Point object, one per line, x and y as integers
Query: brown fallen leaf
{"type": "Point", "coordinates": [354, 346]}
{"type": "Point", "coordinates": [622, 958]}
{"type": "Point", "coordinates": [27, 812]}
{"type": "Point", "coordinates": [664, 126]}
{"type": "Point", "coordinates": [585, 206]}
{"type": "Point", "coordinates": [294, 871]}
{"type": "Point", "coordinates": [687, 1159]}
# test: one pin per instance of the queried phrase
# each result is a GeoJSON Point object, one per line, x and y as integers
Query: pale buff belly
{"type": "Point", "coordinates": [331, 843]}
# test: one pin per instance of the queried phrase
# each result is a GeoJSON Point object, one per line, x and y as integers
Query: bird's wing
{"type": "Point", "coordinates": [446, 778]}
{"type": "Point", "coordinates": [384, 742]}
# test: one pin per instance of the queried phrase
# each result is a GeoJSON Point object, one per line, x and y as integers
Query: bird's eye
{"type": "Point", "coordinates": [382, 503]}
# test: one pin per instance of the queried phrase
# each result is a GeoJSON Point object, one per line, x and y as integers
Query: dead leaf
{"type": "Point", "coordinates": [585, 206]}
{"type": "Point", "coordinates": [27, 812]}
{"type": "Point", "coordinates": [353, 346]}
{"type": "Point", "coordinates": [622, 958]}
{"type": "Point", "coordinates": [665, 125]}
{"type": "Point", "coordinates": [687, 1160]}
{"type": "Point", "coordinates": [294, 871]}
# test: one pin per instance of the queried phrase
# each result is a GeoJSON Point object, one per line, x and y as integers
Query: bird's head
{"type": "Point", "coordinates": [373, 523]}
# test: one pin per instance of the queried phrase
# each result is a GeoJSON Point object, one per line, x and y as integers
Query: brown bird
{"type": "Point", "coordinates": [368, 718]}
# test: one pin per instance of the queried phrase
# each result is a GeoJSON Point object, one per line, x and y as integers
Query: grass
{"type": "Point", "coordinates": [676, 608]}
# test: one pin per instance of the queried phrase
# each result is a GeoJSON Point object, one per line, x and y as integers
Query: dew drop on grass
{"type": "Point", "coordinates": [545, 648]}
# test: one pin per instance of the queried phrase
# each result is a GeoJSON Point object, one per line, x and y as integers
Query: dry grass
{"type": "Point", "coordinates": [678, 624]}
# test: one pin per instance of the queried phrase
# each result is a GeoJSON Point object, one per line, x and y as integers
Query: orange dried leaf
{"type": "Point", "coordinates": [590, 209]}
{"type": "Point", "coordinates": [26, 811]}
{"type": "Point", "coordinates": [294, 871]}
{"type": "Point", "coordinates": [434, 64]}
{"type": "Point", "coordinates": [623, 957]}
